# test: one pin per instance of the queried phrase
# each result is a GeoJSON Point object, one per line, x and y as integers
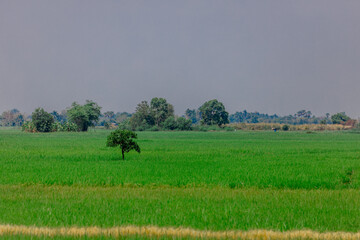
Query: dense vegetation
{"type": "Point", "coordinates": [159, 115]}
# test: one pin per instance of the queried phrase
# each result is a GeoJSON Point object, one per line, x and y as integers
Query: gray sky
{"type": "Point", "coordinates": [267, 56]}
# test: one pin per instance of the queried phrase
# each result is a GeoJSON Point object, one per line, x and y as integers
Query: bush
{"type": "Point", "coordinates": [66, 127]}
{"type": "Point", "coordinates": [170, 124]}
{"type": "Point", "coordinates": [28, 126]}
{"type": "Point", "coordinates": [199, 128]}
{"type": "Point", "coordinates": [285, 127]}
{"type": "Point", "coordinates": [125, 125]}
{"type": "Point", "coordinates": [229, 129]}
{"type": "Point", "coordinates": [42, 120]}
{"type": "Point", "coordinates": [154, 129]}
{"type": "Point", "coordinates": [183, 124]}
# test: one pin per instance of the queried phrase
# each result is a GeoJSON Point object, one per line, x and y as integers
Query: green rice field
{"type": "Point", "coordinates": [213, 181]}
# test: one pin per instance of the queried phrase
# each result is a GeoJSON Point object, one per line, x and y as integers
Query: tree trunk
{"type": "Point", "coordinates": [123, 156]}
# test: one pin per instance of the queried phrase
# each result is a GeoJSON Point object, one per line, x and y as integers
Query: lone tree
{"type": "Point", "coordinates": [84, 116]}
{"type": "Point", "coordinates": [213, 112]}
{"type": "Point", "coordinates": [123, 139]}
{"type": "Point", "coordinates": [42, 120]}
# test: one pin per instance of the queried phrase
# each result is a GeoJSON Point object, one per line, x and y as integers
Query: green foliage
{"type": "Point", "coordinates": [229, 129]}
{"type": "Point", "coordinates": [339, 118]}
{"type": "Point", "coordinates": [183, 124]}
{"type": "Point", "coordinates": [299, 118]}
{"type": "Point", "coordinates": [11, 118]}
{"type": "Point", "coordinates": [123, 139]}
{"type": "Point", "coordinates": [180, 123]}
{"type": "Point", "coordinates": [170, 124]}
{"type": "Point", "coordinates": [192, 115]}
{"type": "Point", "coordinates": [64, 127]}
{"type": "Point", "coordinates": [213, 113]}
{"type": "Point", "coordinates": [28, 126]}
{"type": "Point", "coordinates": [147, 116]}
{"type": "Point", "coordinates": [161, 110]}
{"type": "Point", "coordinates": [42, 120]}
{"type": "Point", "coordinates": [154, 129]}
{"type": "Point", "coordinates": [143, 117]}
{"type": "Point", "coordinates": [285, 127]}
{"type": "Point", "coordinates": [84, 116]}
{"type": "Point", "coordinates": [125, 125]}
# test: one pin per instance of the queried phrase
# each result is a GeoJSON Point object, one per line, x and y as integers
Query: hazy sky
{"type": "Point", "coordinates": [267, 56]}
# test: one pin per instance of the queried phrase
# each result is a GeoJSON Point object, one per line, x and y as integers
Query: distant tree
{"type": "Point", "coordinates": [143, 116]}
{"type": "Point", "coordinates": [121, 117]}
{"type": "Point", "coordinates": [42, 120]}
{"type": "Point", "coordinates": [192, 115]}
{"type": "Point", "coordinates": [84, 116]}
{"type": "Point", "coordinates": [109, 115]}
{"type": "Point", "coordinates": [12, 118]}
{"type": "Point", "coordinates": [213, 113]}
{"type": "Point", "coordinates": [170, 124]}
{"type": "Point", "coordinates": [123, 139]}
{"type": "Point", "coordinates": [339, 118]}
{"type": "Point", "coordinates": [107, 125]}
{"type": "Point", "coordinates": [183, 124]}
{"type": "Point", "coordinates": [59, 117]}
{"type": "Point", "coordinates": [161, 110]}
{"type": "Point", "coordinates": [303, 114]}
{"type": "Point", "coordinates": [147, 116]}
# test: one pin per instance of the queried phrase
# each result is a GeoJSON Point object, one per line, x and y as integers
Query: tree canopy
{"type": "Point", "coordinates": [123, 139]}
{"type": "Point", "coordinates": [339, 118]}
{"type": "Point", "coordinates": [155, 114]}
{"type": "Point", "coordinates": [84, 116]}
{"type": "Point", "coordinates": [213, 113]}
{"type": "Point", "coordinates": [42, 120]}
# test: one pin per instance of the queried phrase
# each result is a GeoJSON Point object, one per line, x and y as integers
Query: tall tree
{"type": "Point", "coordinates": [161, 110]}
{"type": "Point", "coordinates": [149, 115]}
{"type": "Point", "coordinates": [213, 113]}
{"type": "Point", "coordinates": [143, 116]}
{"type": "Point", "coordinates": [192, 115]}
{"type": "Point", "coordinates": [84, 116]}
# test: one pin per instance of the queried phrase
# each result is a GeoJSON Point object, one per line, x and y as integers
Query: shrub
{"type": "Point", "coordinates": [154, 129]}
{"type": "Point", "coordinates": [28, 126]}
{"type": "Point", "coordinates": [183, 124]}
{"type": "Point", "coordinates": [42, 120]}
{"type": "Point", "coordinates": [229, 129]}
{"type": "Point", "coordinates": [285, 127]}
{"type": "Point", "coordinates": [170, 124]}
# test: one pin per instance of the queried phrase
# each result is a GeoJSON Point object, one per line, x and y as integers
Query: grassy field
{"type": "Point", "coordinates": [202, 180]}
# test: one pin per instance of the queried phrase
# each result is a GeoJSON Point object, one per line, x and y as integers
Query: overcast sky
{"type": "Point", "coordinates": [267, 56]}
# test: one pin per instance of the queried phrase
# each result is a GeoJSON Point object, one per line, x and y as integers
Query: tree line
{"type": "Point", "coordinates": [155, 115]}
